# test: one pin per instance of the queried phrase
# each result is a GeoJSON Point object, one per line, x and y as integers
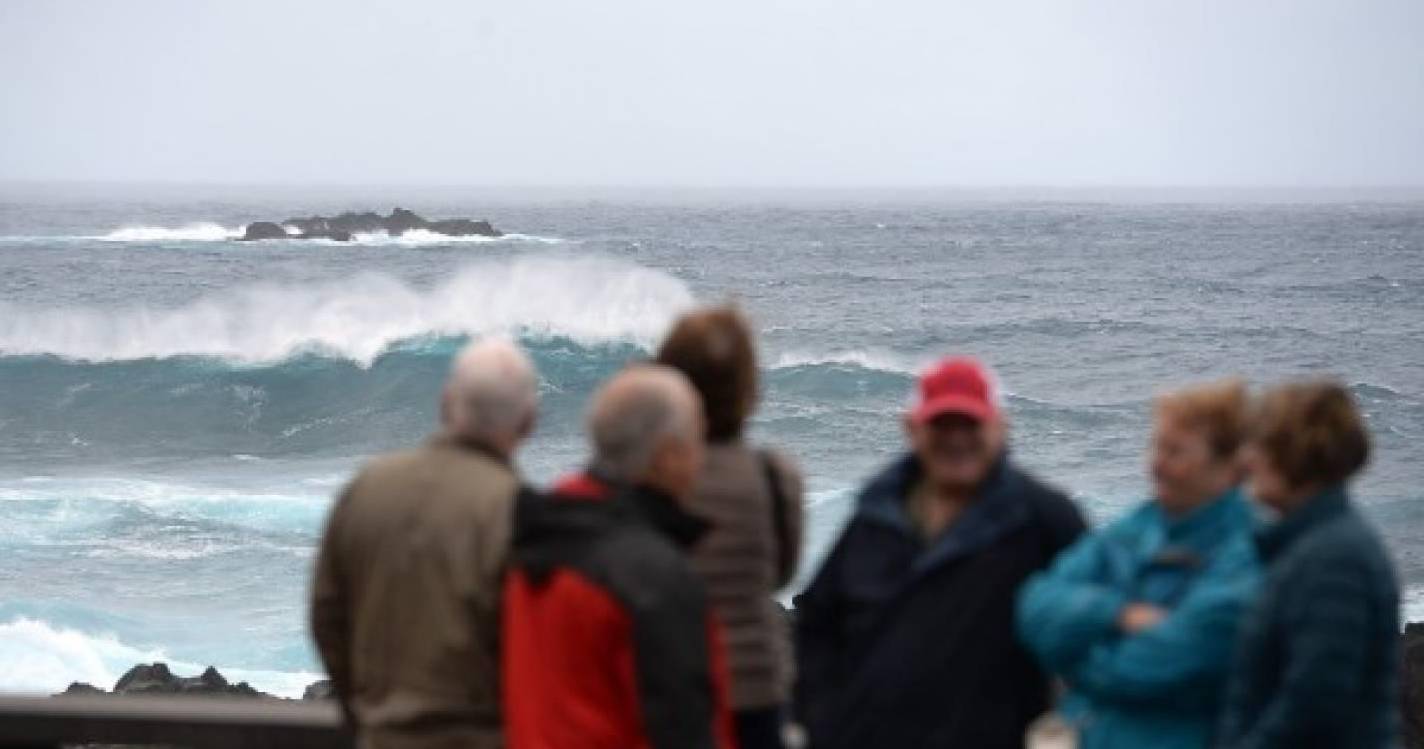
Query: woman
{"type": "Point", "coordinates": [753, 500]}
{"type": "Point", "coordinates": [1317, 655]}
{"type": "Point", "coordinates": [1138, 618]}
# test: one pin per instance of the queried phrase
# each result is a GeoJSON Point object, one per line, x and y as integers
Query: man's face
{"type": "Point", "coordinates": [956, 451]}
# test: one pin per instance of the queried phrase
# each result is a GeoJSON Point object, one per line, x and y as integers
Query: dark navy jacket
{"type": "Point", "coordinates": [902, 643]}
{"type": "Point", "coordinates": [1318, 655]}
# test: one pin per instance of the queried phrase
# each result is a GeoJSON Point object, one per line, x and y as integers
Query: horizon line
{"type": "Point", "coordinates": [517, 185]}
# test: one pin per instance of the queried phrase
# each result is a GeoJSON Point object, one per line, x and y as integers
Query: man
{"type": "Point", "coordinates": [609, 641]}
{"type": "Point", "coordinates": [405, 600]}
{"type": "Point", "coordinates": [906, 636]}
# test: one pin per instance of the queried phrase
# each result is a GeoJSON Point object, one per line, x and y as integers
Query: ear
{"type": "Point", "coordinates": [998, 431]}
{"type": "Point", "coordinates": [527, 427]}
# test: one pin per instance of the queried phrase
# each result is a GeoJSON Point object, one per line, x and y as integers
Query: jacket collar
{"type": "Point", "coordinates": [666, 514]}
{"type": "Point", "coordinates": [1274, 539]}
{"type": "Point", "coordinates": [456, 442]}
{"type": "Point", "coordinates": [995, 512]}
{"type": "Point", "coordinates": [1206, 526]}
{"type": "Point", "coordinates": [551, 528]}
{"type": "Point", "coordinates": [658, 509]}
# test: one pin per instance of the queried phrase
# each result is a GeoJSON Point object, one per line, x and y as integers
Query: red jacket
{"type": "Point", "coordinates": [608, 638]}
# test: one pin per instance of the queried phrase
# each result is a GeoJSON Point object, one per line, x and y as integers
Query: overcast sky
{"type": "Point", "coordinates": [717, 93]}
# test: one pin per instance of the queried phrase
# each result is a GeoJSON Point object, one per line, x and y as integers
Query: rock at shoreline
{"type": "Point", "coordinates": [343, 227]}
{"type": "Point", "coordinates": [157, 679]}
{"type": "Point", "coordinates": [320, 690]}
{"type": "Point", "coordinates": [1411, 684]}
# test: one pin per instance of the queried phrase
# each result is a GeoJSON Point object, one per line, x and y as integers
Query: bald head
{"type": "Point", "coordinates": [646, 426]}
{"type": "Point", "coordinates": [491, 394]}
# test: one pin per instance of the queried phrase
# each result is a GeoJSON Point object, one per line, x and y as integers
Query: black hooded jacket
{"type": "Point", "coordinates": [608, 637]}
{"type": "Point", "coordinates": [905, 643]}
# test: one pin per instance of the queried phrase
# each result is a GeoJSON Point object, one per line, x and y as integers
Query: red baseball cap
{"type": "Point", "coordinates": [956, 385]}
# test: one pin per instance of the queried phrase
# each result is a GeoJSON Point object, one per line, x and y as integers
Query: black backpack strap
{"type": "Point", "coordinates": [779, 521]}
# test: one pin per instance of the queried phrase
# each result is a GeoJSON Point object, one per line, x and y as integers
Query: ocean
{"type": "Point", "coordinates": [177, 409]}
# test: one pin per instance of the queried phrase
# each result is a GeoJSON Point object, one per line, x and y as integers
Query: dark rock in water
{"type": "Point", "coordinates": [356, 223]}
{"type": "Point", "coordinates": [402, 221]}
{"type": "Point", "coordinates": [316, 225]}
{"type": "Point", "coordinates": [320, 690]}
{"type": "Point", "coordinates": [1411, 685]}
{"type": "Point", "coordinates": [158, 679]}
{"type": "Point", "coordinates": [343, 227]}
{"type": "Point", "coordinates": [264, 230]}
{"type": "Point", "coordinates": [463, 227]}
{"type": "Point", "coordinates": [80, 688]}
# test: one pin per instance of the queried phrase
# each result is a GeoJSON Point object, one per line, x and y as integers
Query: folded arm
{"type": "Point", "coordinates": [1190, 647]}
{"type": "Point", "coordinates": [1064, 611]}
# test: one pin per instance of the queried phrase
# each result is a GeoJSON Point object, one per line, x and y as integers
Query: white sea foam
{"type": "Point", "coordinates": [424, 237]}
{"type": "Point", "coordinates": [207, 231]}
{"type": "Point", "coordinates": [884, 361]}
{"type": "Point", "coordinates": [591, 300]}
{"type": "Point", "coordinates": [197, 232]}
{"type": "Point", "coordinates": [37, 657]}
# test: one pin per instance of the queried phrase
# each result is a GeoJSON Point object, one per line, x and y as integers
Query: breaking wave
{"type": "Point", "coordinates": [197, 232]}
{"type": "Point", "coordinates": [589, 300]}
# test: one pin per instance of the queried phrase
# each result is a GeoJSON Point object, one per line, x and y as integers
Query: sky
{"type": "Point", "coordinates": [797, 93]}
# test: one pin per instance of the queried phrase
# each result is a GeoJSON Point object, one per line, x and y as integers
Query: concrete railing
{"type": "Point", "coordinates": [200, 722]}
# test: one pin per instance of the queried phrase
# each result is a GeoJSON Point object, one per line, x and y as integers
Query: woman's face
{"type": "Point", "coordinates": [1265, 482]}
{"type": "Point", "coordinates": [1186, 473]}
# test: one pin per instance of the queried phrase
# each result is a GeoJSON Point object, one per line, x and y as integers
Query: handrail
{"type": "Point", "coordinates": [200, 722]}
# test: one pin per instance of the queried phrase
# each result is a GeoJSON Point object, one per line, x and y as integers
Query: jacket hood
{"type": "Point", "coordinates": [550, 529]}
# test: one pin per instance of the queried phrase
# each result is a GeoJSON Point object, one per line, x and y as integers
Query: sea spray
{"type": "Point", "coordinates": [588, 299]}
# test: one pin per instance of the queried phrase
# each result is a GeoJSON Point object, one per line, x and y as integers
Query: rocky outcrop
{"type": "Point", "coordinates": [320, 690]}
{"type": "Point", "coordinates": [1411, 685]}
{"type": "Point", "coordinates": [263, 230]}
{"type": "Point", "coordinates": [463, 227]}
{"type": "Point", "coordinates": [344, 226]}
{"type": "Point", "coordinates": [157, 679]}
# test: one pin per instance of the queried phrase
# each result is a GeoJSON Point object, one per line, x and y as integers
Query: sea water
{"type": "Point", "coordinates": [177, 408]}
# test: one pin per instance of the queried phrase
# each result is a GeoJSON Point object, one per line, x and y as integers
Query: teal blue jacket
{"type": "Point", "coordinates": [1160, 687]}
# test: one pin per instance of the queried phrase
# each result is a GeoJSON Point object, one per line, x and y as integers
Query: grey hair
{"type": "Point", "coordinates": [493, 389]}
{"type": "Point", "coordinates": [634, 412]}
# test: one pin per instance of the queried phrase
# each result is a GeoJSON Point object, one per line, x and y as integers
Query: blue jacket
{"type": "Point", "coordinates": [903, 643]}
{"type": "Point", "coordinates": [1160, 687]}
{"type": "Point", "coordinates": [1318, 656]}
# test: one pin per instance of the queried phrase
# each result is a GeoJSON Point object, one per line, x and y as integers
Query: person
{"type": "Point", "coordinates": [753, 499]}
{"type": "Point", "coordinates": [1139, 618]}
{"type": "Point", "coordinates": [1317, 655]}
{"type": "Point", "coordinates": [609, 639]}
{"type": "Point", "coordinates": [906, 635]}
{"type": "Point", "coordinates": [405, 598]}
